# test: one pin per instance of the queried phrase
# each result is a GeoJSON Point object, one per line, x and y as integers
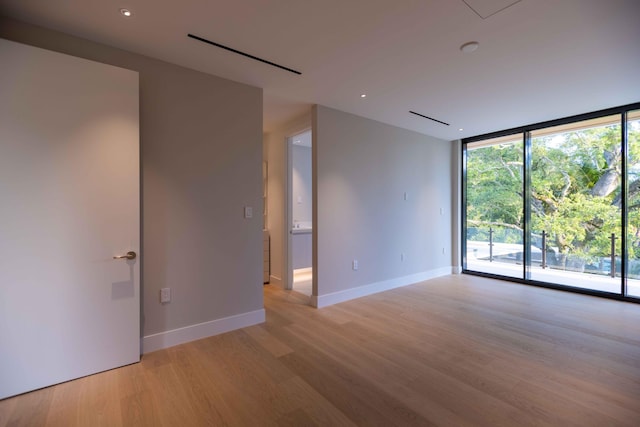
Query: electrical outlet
{"type": "Point", "coordinates": [443, 250]}
{"type": "Point", "coordinates": [354, 264]}
{"type": "Point", "coordinates": [165, 295]}
{"type": "Point", "coordinates": [402, 257]}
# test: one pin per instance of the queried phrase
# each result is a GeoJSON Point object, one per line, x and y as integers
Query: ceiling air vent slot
{"type": "Point", "coordinates": [230, 49]}
{"type": "Point", "coordinates": [430, 118]}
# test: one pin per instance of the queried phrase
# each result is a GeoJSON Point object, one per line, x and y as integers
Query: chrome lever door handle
{"type": "Point", "coordinates": [129, 255]}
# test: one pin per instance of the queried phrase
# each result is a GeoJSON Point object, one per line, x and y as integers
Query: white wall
{"type": "Point", "coordinates": [301, 184]}
{"type": "Point", "coordinates": [363, 168]}
{"type": "Point", "coordinates": [277, 217]}
{"type": "Point", "coordinates": [201, 160]}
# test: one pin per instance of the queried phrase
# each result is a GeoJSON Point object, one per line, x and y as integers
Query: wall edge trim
{"type": "Point", "coordinates": [276, 281]}
{"type": "Point", "coordinates": [373, 288]}
{"type": "Point", "coordinates": [198, 331]}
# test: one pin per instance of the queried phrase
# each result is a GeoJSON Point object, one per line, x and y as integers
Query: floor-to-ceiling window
{"type": "Point", "coordinates": [557, 203]}
{"type": "Point", "coordinates": [633, 203]}
{"type": "Point", "coordinates": [575, 203]}
{"type": "Point", "coordinates": [494, 208]}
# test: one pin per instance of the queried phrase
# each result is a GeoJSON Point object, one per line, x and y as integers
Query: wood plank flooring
{"type": "Point", "coordinates": [452, 351]}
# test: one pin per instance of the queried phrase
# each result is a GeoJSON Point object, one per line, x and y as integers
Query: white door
{"type": "Point", "coordinates": [69, 203]}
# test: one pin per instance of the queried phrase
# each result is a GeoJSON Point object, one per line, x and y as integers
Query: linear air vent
{"type": "Point", "coordinates": [230, 49]}
{"type": "Point", "coordinates": [430, 118]}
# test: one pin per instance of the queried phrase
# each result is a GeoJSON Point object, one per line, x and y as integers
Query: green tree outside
{"type": "Point", "coordinates": [576, 178]}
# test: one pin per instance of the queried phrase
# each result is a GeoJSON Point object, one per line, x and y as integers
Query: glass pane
{"type": "Point", "coordinates": [494, 206]}
{"type": "Point", "coordinates": [633, 204]}
{"type": "Point", "coordinates": [575, 204]}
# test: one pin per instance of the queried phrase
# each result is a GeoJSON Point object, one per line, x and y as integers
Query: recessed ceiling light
{"type": "Point", "coordinates": [469, 47]}
{"type": "Point", "coordinates": [460, 129]}
{"type": "Point", "coordinates": [364, 95]}
{"type": "Point", "coordinates": [126, 12]}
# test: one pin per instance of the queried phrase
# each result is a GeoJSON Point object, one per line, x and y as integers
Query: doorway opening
{"type": "Point", "coordinates": [300, 211]}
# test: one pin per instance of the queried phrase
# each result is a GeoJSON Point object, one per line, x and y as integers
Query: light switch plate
{"type": "Point", "coordinates": [165, 295]}
{"type": "Point", "coordinates": [248, 212]}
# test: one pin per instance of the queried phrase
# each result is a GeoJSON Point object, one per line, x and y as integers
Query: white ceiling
{"type": "Point", "coordinates": [538, 59]}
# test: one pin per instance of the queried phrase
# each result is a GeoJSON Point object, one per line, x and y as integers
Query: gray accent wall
{"type": "Point", "coordinates": [363, 169]}
{"type": "Point", "coordinates": [201, 163]}
{"type": "Point", "coordinates": [456, 210]}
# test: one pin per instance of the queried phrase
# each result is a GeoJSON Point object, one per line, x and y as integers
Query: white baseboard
{"type": "Point", "coordinates": [303, 270]}
{"type": "Point", "coordinates": [373, 288]}
{"type": "Point", "coordinates": [456, 270]}
{"type": "Point", "coordinates": [201, 330]}
{"type": "Point", "coordinates": [275, 280]}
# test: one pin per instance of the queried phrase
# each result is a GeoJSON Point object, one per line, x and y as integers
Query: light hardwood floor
{"type": "Point", "coordinates": [453, 351]}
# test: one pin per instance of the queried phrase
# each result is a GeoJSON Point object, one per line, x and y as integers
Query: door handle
{"type": "Point", "coordinates": [129, 255]}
